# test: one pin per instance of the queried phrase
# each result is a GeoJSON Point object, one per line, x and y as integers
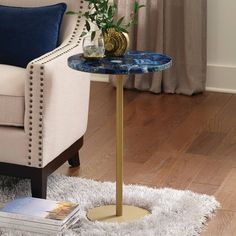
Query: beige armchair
{"type": "Point", "coordinates": [44, 108]}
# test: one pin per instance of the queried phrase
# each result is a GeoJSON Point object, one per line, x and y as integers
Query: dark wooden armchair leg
{"type": "Point", "coordinates": [74, 161]}
{"type": "Point", "coordinates": [39, 176]}
{"type": "Point", "coordinates": [39, 185]}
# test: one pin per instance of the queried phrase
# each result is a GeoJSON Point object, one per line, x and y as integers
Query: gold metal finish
{"type": "Point", "coordinates": [116, 43]}
{"type": "Point", "coordinates": [107, 214]}
{"type": "Point", "coordinates": [119, 144]}
{"type": "Point", "coordinates": [118, 212]}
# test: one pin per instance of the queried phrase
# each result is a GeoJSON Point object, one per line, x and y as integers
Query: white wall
{"type": "Point", "coordinates": [99, 77]}
{"type": "Point", "coordinates": [221, 45]}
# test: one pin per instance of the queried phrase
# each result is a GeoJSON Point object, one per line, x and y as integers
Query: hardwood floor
{"type": "Point", "coordinates": [170, 141]}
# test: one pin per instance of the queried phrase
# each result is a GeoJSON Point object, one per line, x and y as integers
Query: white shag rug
{"type": "Point", "coordinates": [173, 212]}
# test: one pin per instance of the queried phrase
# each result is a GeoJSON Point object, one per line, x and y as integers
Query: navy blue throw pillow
{"type": "Point", "coordinates": [27, 33]}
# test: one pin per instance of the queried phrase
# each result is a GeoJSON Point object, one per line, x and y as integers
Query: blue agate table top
{"type": "Point", "coordinates": [133, 62]}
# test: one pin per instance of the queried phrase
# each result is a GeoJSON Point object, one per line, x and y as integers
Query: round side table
{"type": "Point", "coordinates": [134, 62]}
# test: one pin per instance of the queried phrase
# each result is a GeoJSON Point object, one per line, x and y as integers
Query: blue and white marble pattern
{"type": "Point", "coordinates": [133, 62]}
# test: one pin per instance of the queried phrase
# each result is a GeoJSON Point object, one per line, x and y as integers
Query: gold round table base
{"type": "Point", "coordinates": [108, 213]}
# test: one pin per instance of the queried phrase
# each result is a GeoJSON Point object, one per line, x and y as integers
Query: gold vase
{"type": "Point", "coordinates": [116, 43]}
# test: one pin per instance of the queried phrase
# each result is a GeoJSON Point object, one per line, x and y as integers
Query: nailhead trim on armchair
{"type": "Point", "coordinates": [73, 42]}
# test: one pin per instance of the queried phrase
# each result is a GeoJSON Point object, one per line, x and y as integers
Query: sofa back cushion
{"type": "Point", "coordinates": [28, 32]}
{"type": "Point", "coordinates": [68, 22]}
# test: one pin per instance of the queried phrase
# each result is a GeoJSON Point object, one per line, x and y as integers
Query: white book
{"type": "Point", "coordinates": [33, 224]}
{"type": "Point", "coordinates": [29, 229]}
{"type": "Point", "coordinates": [39, 210]}
{"type": "Point", "coordinates": [28, 224]}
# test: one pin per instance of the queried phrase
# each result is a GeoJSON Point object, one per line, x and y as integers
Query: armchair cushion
{"type": "Point", "coordinates": [12, 95]}
{"type": "Point", "coordinates": [27, 33]}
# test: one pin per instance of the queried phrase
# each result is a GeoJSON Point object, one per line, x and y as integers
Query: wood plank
{"type": "Point", "coordinates": [227, 149]}
{"type": "Point", "coordinates": [206, 142]}
{"type": "Point", "coordinates": [184, 171]}
{"type": "Point", "coordinates": [201, 116]}
{"type": "Point", "coordinates": [226, 194]}
{"type": "Point", "coordinates": [110, 173]}
{"type": "Point", "coordinates": [104, 108]}
{"type": "Point", "coordinates": [224, 224]}
{"type": "Point", "coordinates": [150, 122]}
{"type": "Point", "coordinates": [97, 165]}
{"type": "Point", "coordinates": [203, 188]}
{"type": "Point", "coordinates": [228, 114]}
{"type": "Point", "coordinates": [213, 172]}
{"type": "Point", "coordinates": [224, 123]}
{"type": "Point", "coordinates": [154, 171]}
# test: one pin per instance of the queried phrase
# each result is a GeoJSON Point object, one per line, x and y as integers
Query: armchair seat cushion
{"type": "Point", "coordinates": [12, 95]}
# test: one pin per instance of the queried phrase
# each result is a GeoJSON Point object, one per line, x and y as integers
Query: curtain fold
{"type": "Point", "coordinates": [176, 28]}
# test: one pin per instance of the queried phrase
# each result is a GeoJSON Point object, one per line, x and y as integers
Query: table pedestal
{"type": "Point", "coordinates": [118, 212]}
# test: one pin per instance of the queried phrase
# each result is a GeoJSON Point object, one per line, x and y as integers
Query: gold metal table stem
{"type": "Point", "coordinates": [119, 144]}
{"type": "Point", "coordinates": [118, 212]}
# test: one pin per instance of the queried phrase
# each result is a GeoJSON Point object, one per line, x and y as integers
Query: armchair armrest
{"type": "Point", "coordinates": [56, 102]}
{"type": "Point", "coordinates": [56, 97]}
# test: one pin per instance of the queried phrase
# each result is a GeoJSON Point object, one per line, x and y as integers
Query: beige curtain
{"type": "Point", "coordinates": [176, 28]}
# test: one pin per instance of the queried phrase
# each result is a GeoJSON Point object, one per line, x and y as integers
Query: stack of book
{"type": "Point", "coordinates": [39, 215]}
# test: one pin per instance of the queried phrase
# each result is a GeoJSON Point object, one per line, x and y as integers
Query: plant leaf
{"type": "Point", "coordinates": [141, 6]}
{"type": "Point", "coordinates": [83, 34]}
{"type": "Point", "coordinates": [110, 12]}
{"type": "Point", "coordinates": [124, 30]}
{"type": "Point", "coordinates": [93, 35]}
{"type": "Point", "coordinates": [120, 21]}
{"type": "Point", "coordinates": [102, 13]}
{"type": "Point", "coordinates": [136, 7]}
{"type": "Point", "coordinates": [71, 13]}
{"type": "Point", "coordinates": [86, 14]}
{"type": "Point", "coordinates": [87, 25]}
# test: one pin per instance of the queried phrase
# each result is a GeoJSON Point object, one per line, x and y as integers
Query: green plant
{"type": "Point", "coordinates": [102, 14]}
